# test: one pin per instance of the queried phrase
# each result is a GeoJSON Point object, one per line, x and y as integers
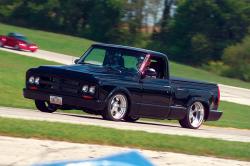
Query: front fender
{"type": "Point", "coordinates": [121, 90]}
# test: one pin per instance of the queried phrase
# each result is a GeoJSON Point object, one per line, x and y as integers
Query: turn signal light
{"type": "Point", "coordinates": [87, 97]}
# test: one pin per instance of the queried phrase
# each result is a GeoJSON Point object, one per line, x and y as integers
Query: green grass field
{"type": "Point", "coordinates": [76, 46]}
{"type": "Point", "coordinates": [124, 138]}
{"type": "Point", "coordinates": [12, 78]}
{"type": "Point", "coordinates": [199, 74]}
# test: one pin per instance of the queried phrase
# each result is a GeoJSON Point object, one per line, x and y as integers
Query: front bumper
{"type": "Point", "coordinates": [67, 100]}
{"type": "Point", "coordinates": [27, 48]}
{"type": "Point", "coordinates": [214, 115]}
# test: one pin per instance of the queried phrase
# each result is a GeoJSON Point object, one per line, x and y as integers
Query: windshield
{"type": "Point", "coordinates": [18, 36]}
{"type": "Point", "coordinates": [114, 58]}
{"type": "Point", "coordinates": [21, 38]}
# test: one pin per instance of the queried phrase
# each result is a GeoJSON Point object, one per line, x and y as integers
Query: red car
{"type": "Point", "coordinates": [18, 42]}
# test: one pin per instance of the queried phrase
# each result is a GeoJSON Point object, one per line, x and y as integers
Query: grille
{"type": "Point", "coordinates": [59, 85]}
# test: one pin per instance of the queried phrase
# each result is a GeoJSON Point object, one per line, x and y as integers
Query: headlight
{"type": "Point", "coordinates": [37, 80]}
{"type": "Point", "coordinates": [31, 80]}
{"type": "Point", "coordinates": [92, 89]}
{"type": "Point", "coordinates": [85, 88]}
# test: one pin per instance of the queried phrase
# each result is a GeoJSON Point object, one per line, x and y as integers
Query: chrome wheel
{"type": "Point", "coordinates": [194, 117]}
{"type": "Point", "coordinates": [196, 114]}
{"type": "Point", "coordinates": [118, 106]}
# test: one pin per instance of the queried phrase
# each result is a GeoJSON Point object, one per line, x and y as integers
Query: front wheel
{"type": "Point", "coordinates": [117, 107]}
{"type": "Point", "coordinates": [195, 116]}
{"type": "Point", "coordinates": [16, 47]}
{"type": "Point", "coordinates": [45, 106]}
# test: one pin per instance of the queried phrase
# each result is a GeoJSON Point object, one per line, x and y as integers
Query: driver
{"type": "Point", "coordinates": [116, 60]}
{"type": "Point", "coordinates": [144, 65]}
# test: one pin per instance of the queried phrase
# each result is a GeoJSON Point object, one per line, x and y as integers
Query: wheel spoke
{"type": "Point", "coordinates": [118, 106]}
{"type": "Point", "coordinates": [196, 114]}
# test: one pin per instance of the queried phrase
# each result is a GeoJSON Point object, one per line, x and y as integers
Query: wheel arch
{"type": "Point", "coordinates": [204, 102]}
{"type": "Point", "coordinates": [123, 90]}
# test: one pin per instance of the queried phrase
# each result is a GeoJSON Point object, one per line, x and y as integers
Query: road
{"type": "Point", "coordinates": [228, 134]}
{"type": "Point", "coordinates": [228, 93]}
{"type": "Point", "coordinates": [20, 152]}
{"type": "Point", "coordinates": [46, 55]}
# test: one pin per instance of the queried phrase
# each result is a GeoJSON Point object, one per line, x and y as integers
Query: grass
{"type": "Point", "coordinates": [12, 81]}
{"type": "Point", "coordinates": [234, 115]}
{"type": "Point", "coordinates": [76, 46]}
{"type": "Point", "coordinates": [132, 139]}
{"type": "Point", "coordinates": [199, 74]}
{"type": "Point", "coordinates": [12, 78]}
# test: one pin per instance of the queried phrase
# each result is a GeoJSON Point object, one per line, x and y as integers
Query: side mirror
{"type": "Point", "coordinates": [150, 72]}
{"type": "Point", "coordinates": [76, 61]}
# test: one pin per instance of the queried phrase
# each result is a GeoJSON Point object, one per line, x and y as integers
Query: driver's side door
{"type": "Point", "coordinates": [155, 98]}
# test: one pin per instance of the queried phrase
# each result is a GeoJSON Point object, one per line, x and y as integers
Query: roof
{"type": "Point", "coordinates": [16, 34]}
{"type": "Point", "coordinates": [129, 48]}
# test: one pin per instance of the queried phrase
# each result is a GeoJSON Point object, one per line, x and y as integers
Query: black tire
{"type": "Point", "coordinates": [131, 118]}
{"type": "Point", "coordinates": [17, 47]}
{"type": "Point", "coordinates": [44, 106]}
{"type": "Point", "coordinates": [117, 107]}
{"type": "Point", "coordinates": [187, 122]}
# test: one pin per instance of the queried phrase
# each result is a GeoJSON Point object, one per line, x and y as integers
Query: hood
{"type": "Point", "coordinates": [80, 68]}
{"type": "Point", "coordinates": [76, 71]}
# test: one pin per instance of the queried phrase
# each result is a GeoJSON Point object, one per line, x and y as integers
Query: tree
{"type": "Point", "coordinates": [152, 9]}
{"type": "Point", "coordinates": [7, 7]}
{"type": "Point", "coordinates": [237, 57]}
{"type": "Point", "coordinates": [201, 29]}
{"type": "Point", "coordinates": [104, 19]}
{"type": "Point", "coordinates": [74, 15]}
{"type": "Point", "coordinates": [35, 14]}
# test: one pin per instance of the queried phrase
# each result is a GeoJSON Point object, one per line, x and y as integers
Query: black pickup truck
{"type": "Point", "coordinates": [123, 83]}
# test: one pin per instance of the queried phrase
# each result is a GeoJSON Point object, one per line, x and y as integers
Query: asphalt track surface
{"type": "Point", "coordinates": [228, 134]}
{"type": "Point", "coordinates": [228, 93]}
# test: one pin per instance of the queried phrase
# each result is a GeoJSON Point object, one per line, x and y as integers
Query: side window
{"type": "Point", "coordinates": [159, 65]}
{"type": "Point", "coordinates": [10, 34]}
{"type": "Point", "coordinates": [130, 62]}
{"type": "Point", "coordinates": [96, 56]}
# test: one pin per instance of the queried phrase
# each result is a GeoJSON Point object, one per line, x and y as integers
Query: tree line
{"type": "Point", "coordinates": [213, 34]}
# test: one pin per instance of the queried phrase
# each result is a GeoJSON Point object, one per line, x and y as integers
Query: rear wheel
{"type": "Point", "coordinates": [45, 106]}
{"type": "Point", "coordinates": [117, 107]}
{"type": "Point", "coordinates": [195, 116]}
{"type": "Point", "coordinates": [1, 44]}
